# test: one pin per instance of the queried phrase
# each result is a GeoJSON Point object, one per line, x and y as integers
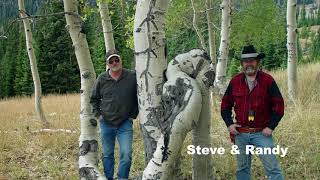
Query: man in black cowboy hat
{"type": "Point", "coordinates": [259, 106]}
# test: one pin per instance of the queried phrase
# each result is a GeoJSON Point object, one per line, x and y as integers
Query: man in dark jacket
{"type": "Point", "coordinates": [114, 101]}
{"type": "Point", "coordinates": [259, 106]}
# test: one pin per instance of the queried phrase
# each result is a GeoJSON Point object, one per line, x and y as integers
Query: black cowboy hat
{"type": "Point", "coordinates": [249, 52]}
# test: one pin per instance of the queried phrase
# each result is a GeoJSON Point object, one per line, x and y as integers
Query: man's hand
{"type": "Point", "coordinates": [267, 131]}
{"type": "Point", "coordinates": [233, 130]}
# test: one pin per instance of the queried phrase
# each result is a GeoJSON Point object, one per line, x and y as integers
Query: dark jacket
{"type": "Point", "coordinates": [115, 100]}
{"type": "Point", "coordinates": [265, 100]}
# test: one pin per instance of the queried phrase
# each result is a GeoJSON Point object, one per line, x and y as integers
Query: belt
{"type": "Point", "coordinates": [248, 130]}
{"type": "Point", "coordinates": [244, 130]}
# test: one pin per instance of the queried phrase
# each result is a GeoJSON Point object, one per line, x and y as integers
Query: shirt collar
{"type": "Point", "coordinates": [257, 76]}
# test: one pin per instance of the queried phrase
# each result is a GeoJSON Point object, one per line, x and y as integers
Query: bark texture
{"type": "Point", "coordinates": [88, 155]}
{"type": "Point", "coordinates": [106, 25]}
{"type": "Point", "coordinates": [220, 81]}
{"type": "Point", "coordinates": [170, 102]}
{"type": "Point", "coordinates": [292, 48]}
{"type": "Point", "coordinates": [211, 33]}
{"type": "Point", "coordinates": [202, 165]}
{"type": "Point", "coordinates": [181, 108]}
{"type": "Point", "coordinates": [151, 62]}
{"type": "Point", "coordinates": [33, 64]}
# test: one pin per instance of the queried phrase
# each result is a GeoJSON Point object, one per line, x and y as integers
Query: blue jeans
{"type": "Point", "coordinates": [269, 161]}
{"type": "Point", "coordinates": [124, 134]}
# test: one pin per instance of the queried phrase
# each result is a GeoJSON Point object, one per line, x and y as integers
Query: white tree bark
{"type": "Point", "coordinates": [212, 39]}
{"type": "Point", "coordinates": [292, 48]}
{"type": "Point", "coordinates": [175, 124]}
{"type": "Point", "coordinates": [88, 156]}
{"type": "Point", "coordinates": [211, 33]}
{"type": "Point", "coordinates": [220, 81]}
{"type": "Point", "coordinates": [202, 165]}
{"type": "Point", "coordinates": [33, 64]}
{"type": "Point", "coordinates": [195, 25]}
{"type": "Point", "coordinates": [168, 110]}
{"type": "Point", "coordinates": [151, 62]}
{"type": "Point", "coordinates": [106, 25]}
{"type": "Point", "coordinates": [189, 78]}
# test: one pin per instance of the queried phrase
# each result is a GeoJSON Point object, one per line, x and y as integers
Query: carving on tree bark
{"type": "Point", "coordinates": [292, 49]}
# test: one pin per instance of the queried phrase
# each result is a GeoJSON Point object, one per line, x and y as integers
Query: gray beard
{"type": "Point", "coordinates": [115, 68]}
{"type": "Point", "coordinates": [250, 70]}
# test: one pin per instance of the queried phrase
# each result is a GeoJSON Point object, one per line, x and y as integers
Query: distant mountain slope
{"type": "Point", "coordinates": [9, 9]}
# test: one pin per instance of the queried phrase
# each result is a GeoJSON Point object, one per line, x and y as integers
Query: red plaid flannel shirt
{"type": "Point", "coordinates": [265, 100]}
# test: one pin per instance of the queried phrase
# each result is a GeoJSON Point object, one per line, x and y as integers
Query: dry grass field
{"type": "Point", "coordinates": [27, 155]}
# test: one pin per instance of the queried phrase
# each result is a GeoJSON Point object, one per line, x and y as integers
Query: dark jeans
{"type": "Point", "coordinates": [124, 134]}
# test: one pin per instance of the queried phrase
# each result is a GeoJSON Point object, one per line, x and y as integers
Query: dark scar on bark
{"type": "Point", "coordinates": [176, 98]}
{"type": "Point", "coordinates": [88, 173]}
{"type": "Point", "coordinates": [198, 69]}
{"type": "Point", "coordinates": [93, 122]}
{"type": "Point", "coordinates": [88, 146]}
{"type": "Point", "coordinates": [174, 62]}
{"type": "Point", "coordinates": [86, 75]}
{"type": "Point", "coordinates": [210, 75]}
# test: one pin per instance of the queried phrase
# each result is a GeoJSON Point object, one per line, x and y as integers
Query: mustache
{"type": "Point", "coordinates": [250, 69]}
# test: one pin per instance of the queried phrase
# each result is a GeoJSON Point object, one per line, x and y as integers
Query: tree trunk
{"type": "Point", "coordinates": [202, 165]}
{"type": "Point", "coordinates": [211, 33]}
{"type": "Point", "coordinates": [106, 25]}
{"type": "Point", "coordinates": [88, 156]}
{"type": "Point", "coordinates": [176, 121]}
{"type": "Point", "coordinates": [195, 26]}
{"type": "Point", "coordinates": [212, 39]}
{"type": "Point", "coordinates": [33, 64]}
{"type": "Point", "coordinates": [220, 81]}
{"type": "Point", "coordinates": [168, 110]}
{"type": "Point", "coordinates": [181, 109]}
{"type": "Point", "coordinates": [151, 62]}
{"type": "Point", "coordinates": [292, 48]}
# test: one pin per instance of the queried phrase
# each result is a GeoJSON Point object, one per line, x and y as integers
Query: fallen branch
{"type": "Point", "coordinates": [42, 131]}
{"type": "Point", "coordinates": [53, 131]}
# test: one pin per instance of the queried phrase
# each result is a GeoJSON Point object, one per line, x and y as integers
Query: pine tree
{"type": "Point", "coordinates": [23, 81]}
{"type": "Point", "coordinates": [58, 68]}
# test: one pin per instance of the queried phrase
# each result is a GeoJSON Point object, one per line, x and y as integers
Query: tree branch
{"type": "Point", "coordinates": [47, 15]}
{"type": "Point", "coordinates": [3, 35]}
{"type": "Point", "coordinates": [202, 42]}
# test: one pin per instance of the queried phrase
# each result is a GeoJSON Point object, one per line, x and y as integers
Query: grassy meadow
{"type": "Point", "coordinates": [27, 155]}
